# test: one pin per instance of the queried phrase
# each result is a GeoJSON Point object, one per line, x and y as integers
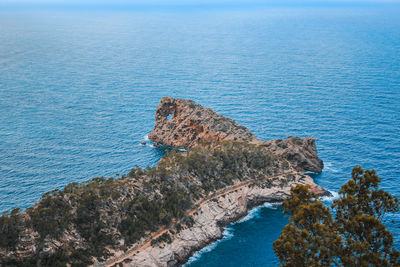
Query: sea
{"type": "Point", "coordinates": [79, 86]}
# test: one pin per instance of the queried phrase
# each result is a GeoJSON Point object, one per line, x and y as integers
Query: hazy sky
{"type": "Point", "coordinates": [184, 2]}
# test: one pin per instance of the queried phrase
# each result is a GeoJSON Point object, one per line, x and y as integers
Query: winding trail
{"type": "Point", "coordinates": [221, 192]}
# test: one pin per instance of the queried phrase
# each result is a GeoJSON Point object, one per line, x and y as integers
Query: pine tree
{"type": "Point", "coordinates": [354, 236]}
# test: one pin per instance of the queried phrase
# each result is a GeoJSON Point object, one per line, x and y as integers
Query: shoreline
{"type": "Point", "coordinates": [332, 197]}
{"type": "Point", "coordinates": [223, 228]}
{"type": "Point", "coordinates": [227, 236]}
{"type": "Point", "coordinates": [210, 221]}
{"type": "Point", "coordinates": [161, 216]}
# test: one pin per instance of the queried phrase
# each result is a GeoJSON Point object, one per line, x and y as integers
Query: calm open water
{"type": "Point", "coordinates": [78, 91]}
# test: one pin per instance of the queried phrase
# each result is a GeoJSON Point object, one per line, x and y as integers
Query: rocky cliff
{"type": "Point", "coordinates": [209, 220]}
{"type": "Point", "coordinates": [159, 216]}
{"type": "Point", "coordinates": [183, 123]}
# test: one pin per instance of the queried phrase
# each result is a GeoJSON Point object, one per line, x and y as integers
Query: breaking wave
{"type": "Point", "coordinates": [255, 212]}
{"type": "Point", "coordinates": [228, 230]}
{"type": "Point", "coordinates": [226, 235]}
{"type": "Point", "coordinates": [335, 195]}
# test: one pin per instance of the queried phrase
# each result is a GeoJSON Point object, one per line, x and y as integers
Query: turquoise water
{"type": "Point", "coordinates": [78, 91]}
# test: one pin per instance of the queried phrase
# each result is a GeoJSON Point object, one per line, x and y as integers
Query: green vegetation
{"type": "Point", "coordinates": [165, 237]}
{"type": "Point", "coordinates": [51, 215]}
{"type": "Point", "coordinates": [11, 226]}
{"type": "Point", "coordinates": [354, 236]}
{"type": "Point", "coordinates": [116, 213]}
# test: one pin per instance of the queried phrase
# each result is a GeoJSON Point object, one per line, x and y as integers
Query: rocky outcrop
{"type": "Point", "coordinates": [212, 217]}
{"type": "Point", "coordinates": [300, 152]}
{"type": "Point", "coordinates": [159, 216]}
{"type": "Point", "coordinates": [183, 123]}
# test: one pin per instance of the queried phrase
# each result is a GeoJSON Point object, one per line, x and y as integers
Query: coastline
{"type": "Point", "coordinates": [161, 216]}
{"type": "Point", "coordinates": [226, 234]}
{"type": "Point", "coordinates": [210, 221]}
{"type": "Point", "coordinates": [223, 228]}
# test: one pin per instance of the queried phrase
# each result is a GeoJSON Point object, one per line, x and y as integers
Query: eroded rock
{"type": "Point", "coordinates": [225, 171]}
{"type": "Point", "coordinates": [183, 123]}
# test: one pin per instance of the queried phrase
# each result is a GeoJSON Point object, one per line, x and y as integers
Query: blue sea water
{"type": "Point", "coordinates": [79, 87]}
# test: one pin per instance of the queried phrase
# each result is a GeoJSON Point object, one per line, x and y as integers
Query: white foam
{"type": "Point", "coordinates": [228, 230]}
{"type": "Point", "coordinates": [181, 150]}
{"type": "Point", "coordinates": [253, 213]}
{"type": "Point", "coordinates": [335, 195]}
{"type": "Point", "coordinates": [147, 140]}
{"type": "Point", "coordinates": [226, 235]}
{"type": "Point", "coordinates": [272, 205]}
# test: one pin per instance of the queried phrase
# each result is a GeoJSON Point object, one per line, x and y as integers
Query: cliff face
{"type": "Point", "coordinates": [183, 123]}
{"type": "Point", "coordinates": [209, 220]}
{"type": "Point", "coordinates": [161, 215]}
{"type": "Point", "coordinates": [300, 152]}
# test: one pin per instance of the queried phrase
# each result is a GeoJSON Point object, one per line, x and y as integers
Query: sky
{"type": "Point", "coordinates": [61, 3]}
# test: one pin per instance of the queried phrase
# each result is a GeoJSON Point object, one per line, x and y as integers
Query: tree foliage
{"type": "Point", "coordinates": [115, 213]}
{"type": "Point", "coordinates": [355, 235]}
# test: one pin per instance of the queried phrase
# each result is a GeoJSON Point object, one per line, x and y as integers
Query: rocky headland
{"type": "Point", "coordinates": [160, 216]}
{"type": "Point", "coordinates": [183, 123]}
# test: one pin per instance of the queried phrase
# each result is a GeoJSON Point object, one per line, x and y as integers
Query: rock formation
{"type": "Point", "coordinates": [160, 216]}
{"type": "Point", "coordinates": [209, 221]}
{"type": "Point", "coordinates": [183, 123]}
{"type": "Point", "coordinates": [300, 152]}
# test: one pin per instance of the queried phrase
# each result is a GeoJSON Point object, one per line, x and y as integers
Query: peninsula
{"type": "Point", "coordinates": [160, 216]}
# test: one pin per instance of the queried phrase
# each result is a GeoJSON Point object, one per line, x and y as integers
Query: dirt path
{"type": "Point", "coordinates": [136, 249]}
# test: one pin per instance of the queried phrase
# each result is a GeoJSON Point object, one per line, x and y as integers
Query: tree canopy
{"type": "Point", "coordinates": [350, 233]}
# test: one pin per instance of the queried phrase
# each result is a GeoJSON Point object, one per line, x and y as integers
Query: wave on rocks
{"type": "Point", "coordinates": [334, 196]}
{"type": "Point", "coordinates": [226, 235]}
{"type": "Point", "coordinates": [255, 212]}
{"type": "Point", "coordinates": [147, 140]}
{"type": "Point", "coordinates": [228, 230]}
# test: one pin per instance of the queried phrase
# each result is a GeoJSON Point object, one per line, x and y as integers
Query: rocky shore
{"type": "Point", "coordinates": [192, 125]}
{"type": "Point", "coordinates": [183, 123]}
{"type": "Point", "coordinates": [160, 216]}
{"type": "Point", "coordinates": [210, 220]}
